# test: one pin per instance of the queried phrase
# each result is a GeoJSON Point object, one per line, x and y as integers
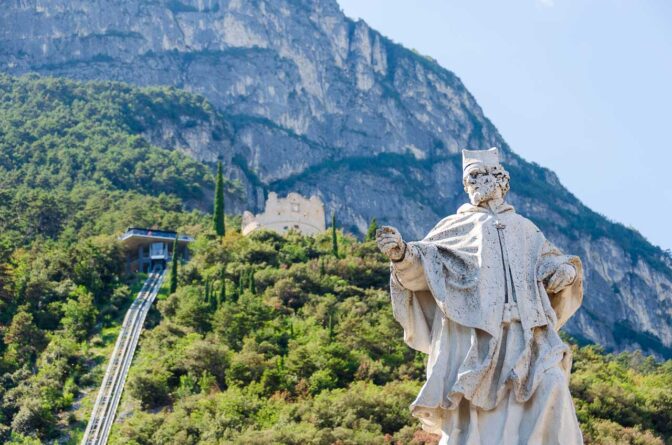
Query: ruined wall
{"type": "Point", "coordinates": [284, 214]}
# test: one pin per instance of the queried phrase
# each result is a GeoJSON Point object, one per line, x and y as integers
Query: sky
{"type": "Point", "coordinates": [583, 87]}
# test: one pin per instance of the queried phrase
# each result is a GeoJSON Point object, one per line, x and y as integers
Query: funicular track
{"type": "Point", "coordinates": [109, 395]}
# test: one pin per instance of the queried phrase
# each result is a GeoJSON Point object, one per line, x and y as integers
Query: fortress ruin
{"type": "Point", "coordinates": [291, 213]}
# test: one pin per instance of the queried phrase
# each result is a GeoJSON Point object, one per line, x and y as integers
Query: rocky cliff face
{"type": "Point", "coordinates": [308, 100]}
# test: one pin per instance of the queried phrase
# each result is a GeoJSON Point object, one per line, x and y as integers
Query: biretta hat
{"type": "Point", "coordinates": [485, 158]}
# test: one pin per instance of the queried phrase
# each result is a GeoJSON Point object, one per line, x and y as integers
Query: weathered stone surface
{"type": "Point", "coordinates": [310, 101]}
{"type": "Point", "coordinates": [293, 212]}
{"type": "Point", "coordinates": [484, 294]}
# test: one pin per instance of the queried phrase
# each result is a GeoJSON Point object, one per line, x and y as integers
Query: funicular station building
{"type": "Point", "coordinates": [146, 248]}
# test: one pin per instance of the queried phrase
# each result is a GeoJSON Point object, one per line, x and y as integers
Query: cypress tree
{"type": "Point", "coordinates": [241, 284]}
{"type": "Point", "coordinates": [234, 294]}
{"type": "Point", "coordinates": [222, 291]}
{"type": "Point", "coordinates": [371, 232]}
{"type": "Point", "coordinates": [218, 217]}
{"type": "Point", "coordinates": [334, 238]}
{"type": "Point", "coordinates": [251, 285]}
{"type": "Point", "coordinates": [207, 291]}
{"type": "Point", "coordinates": [212, 299]}
{"type": "Point", "coordinates": [173, 270]}
{"type": "Point", "coordinates": [331, 325]}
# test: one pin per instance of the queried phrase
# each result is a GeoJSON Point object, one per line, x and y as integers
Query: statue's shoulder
{"type": "Point", "coordinates": [441, 226]}
{"type": "Point", "coordinates": [448, 223]}
{"type": "Point", "coordinates": [465, 208]}
{"type": "Point", "coordinates": [525, 223]}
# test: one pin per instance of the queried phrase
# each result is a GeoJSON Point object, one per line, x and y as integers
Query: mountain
{"type": "Point", "coordinates": [305, 99]}
{"type": "Point", "coordinates": [285, 344]}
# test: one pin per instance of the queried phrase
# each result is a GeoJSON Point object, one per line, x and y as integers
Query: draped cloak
{"type": "Point", "coordinates": [450, 295]}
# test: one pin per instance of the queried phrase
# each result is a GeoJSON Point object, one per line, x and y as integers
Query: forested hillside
{"type": "Point", "coordinates": [73, 173]}
{"type": "Point", "coordinates": [273, 339]}
{"type": "Point", "coordinates": [268, 339]}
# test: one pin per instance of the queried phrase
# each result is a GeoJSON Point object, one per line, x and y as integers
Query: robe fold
{"type": "Point", "coordinates": [471, 295]}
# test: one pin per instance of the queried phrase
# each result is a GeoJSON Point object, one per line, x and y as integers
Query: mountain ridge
{"type": "Point", "coordinates": [305, 99]}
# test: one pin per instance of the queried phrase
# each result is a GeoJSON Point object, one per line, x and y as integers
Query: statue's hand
{"type": "Point", "coordinates": [390, 242]}
{"type": "Point", "coordinates": [563, 276]}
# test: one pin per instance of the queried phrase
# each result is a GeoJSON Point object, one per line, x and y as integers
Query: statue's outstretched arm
{"type": "Point", "coordinates": [409, 270]}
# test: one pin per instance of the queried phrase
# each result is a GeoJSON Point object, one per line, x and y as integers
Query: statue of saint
{"type": "Point", "coordinates": [484, 294]}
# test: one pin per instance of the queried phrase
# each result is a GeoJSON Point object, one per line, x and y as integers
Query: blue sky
{"type": "Point", "coordinates": [583, 87]}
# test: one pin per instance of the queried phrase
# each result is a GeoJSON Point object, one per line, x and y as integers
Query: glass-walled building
{"type": "Point", "coordinates": [146, 248]}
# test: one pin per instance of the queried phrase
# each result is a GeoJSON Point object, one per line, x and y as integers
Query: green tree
{"type": "Point", "coordinates": [218, 217]}
{"type": "Point", "coordinates": [192, 311]}
{"type": "Point", "coordinates": [371, 231]}
{"type": "Point", "coordinates": [23, 338]}
{"type": "Point", "coordinates": [241, 283]}
{"type": "Point", "coordinates": [222, 291]}
{"type": "Point", "coordinates": [79, 314]}
{"type": "Point", "coordinates": [33, 418]}
{"type": "Point", "coordinates": [173, 269]}
{"type": "Point", "coordinates": [251, 283]}
{"type": "Point", "coordinates": [331, 326]}
{"type": "Point", "coordinates": [20, 439]}
{"type": "Point", "coordinates": [206, 356]}
{"type": "Point", "coordinates": [150, 387]}
{"type": "Point", "coordinates": [334, 236]}
{"type": "Point", "coordinates": [187, 386]}
{"type": "Point", "coordinates": [96, 264]}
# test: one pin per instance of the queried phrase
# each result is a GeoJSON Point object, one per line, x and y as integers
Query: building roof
{"type": "Point", "coordinates": [135, 236]}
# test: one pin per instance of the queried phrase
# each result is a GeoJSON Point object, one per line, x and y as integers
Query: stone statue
{"type": "Point", "coordinates": [484, 294]}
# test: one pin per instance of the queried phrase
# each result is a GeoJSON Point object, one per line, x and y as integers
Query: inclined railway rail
{"type": "Point", "coordinates": [107, 401]}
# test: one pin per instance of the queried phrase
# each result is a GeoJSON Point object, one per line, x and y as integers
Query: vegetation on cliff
{"type": "Point", "coordinates": [313, 355]}
{"type": "Point", "coordinates": [267, 339]}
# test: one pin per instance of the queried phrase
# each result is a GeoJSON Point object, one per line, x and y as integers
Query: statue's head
{"type": "Point", "coordinates": [483, 176]}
